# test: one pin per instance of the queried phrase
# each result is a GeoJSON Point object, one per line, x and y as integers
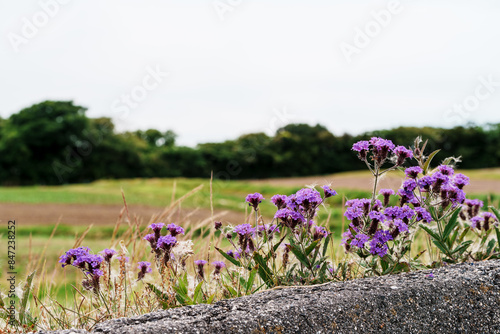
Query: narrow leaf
{"type": "Point", "coordinates": [452, 223]}
{"type": "Point", "coordinates": [428, 161]}
{"type": "Point", "coordinates": [26, 292]}
{"type": "Point", "coordinates": [430, 232]}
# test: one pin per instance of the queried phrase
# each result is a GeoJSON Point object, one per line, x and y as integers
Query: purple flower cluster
{"type": "Point", "coordinates": [200, 264]}
{"type": "Point", "coordinates": [144, 268]}
{"type": "Point", "coordinates": [329, 192]}
{"type": "Point", "coordinates": [90, 264]}
{"type": "Point", "coordinates": [279, 201]}
{"type": "Point", "coordinates": [218, 266]}
{"type": "Point", "coordinates": [245, 237]}
{"type": "Point", "coordinates": [254, 200]}
{"type": "Point", "coordinates": [381, 149]}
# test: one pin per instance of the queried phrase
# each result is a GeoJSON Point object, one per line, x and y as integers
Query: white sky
{"type": "Point", "coordinates": [232, 73]}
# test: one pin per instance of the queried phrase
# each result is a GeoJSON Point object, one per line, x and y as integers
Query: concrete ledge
{"type": "Point", "coordinates": [461, 298]}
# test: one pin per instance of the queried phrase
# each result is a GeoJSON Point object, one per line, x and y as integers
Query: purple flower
{"type": "Point", "coordinates": [244, 229]}
{"type": "Point", "coordinates": [412, 172]}
{"type": "Point", "coordinates": [97, 272]}
{"type": "Point", "coordinates": [108, 254]}
{"type": "Point", "coordinates": [308, 198]}
{"type": "Point", "coordinates": [362, 148]}
{"type": "Point", "coordinates": [152, 239]}
{"type": "Point", "coordinates": [489, 218]}
{"type": "Point", "coordinates": [409, 185]}
{"type": "Point", "coordinates": [378, 244]}
{"type": "Point", "coordinates": [400, 225]}
{"type": "Point", "coordinates": [166, 242]}
{"type": "Point", "coordinates": [218, 266]}
{"type": "Point", "coordinates": [328, 191]}
{"type": "Point", "coordinates": [289, 217]}
{"type": "Point", "coordinates": [279, 201]}
{"type": "Point", "coordinates": [320, 232]}
{"type": "Point", "coordinates": [423, 215]}
{"type": "Point", "coordinates": [425, 182]}
{"type": "Point", "coordinates": [381, 148]}
{"type": "Point", "coordinates": [460, 180]}
{"type": "Point", "coordinates": [360, 240]}
{"type": "Point", "coordinates": [144, 268]}
{"type": "Point", "coordinates": [254, 200]}
{"type": "Point", "coordinates": [73, 254]}
{"type": "Point", "coordinates": [200, 264]}
{"type": "Point", "coordinates": [157, 227]}
{"type": "Point", "coordinates": [402, 154]}
{"type": "Point", "coordinates": [476, 222]}
{"type": "Point", "coordinates": [430, 275]}
{"type": "Point", "coordinates": [446, 170]}
{"type": "Point", "coordinates": [387, 194]}
{"type": "Point", "coordinates": [406, 196]}
{"type": "Point", "coordinates": [439, 180]}
{"type": "Point", "coordinates": [175, 229]}
{"type": "Point", "coordinates": [353, 212]}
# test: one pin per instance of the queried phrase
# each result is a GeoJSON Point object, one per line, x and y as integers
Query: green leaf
{"type": "Point", "coordinates": [263, 270]}
{"type": "Point", "coordinates": [301, 257]}
{"type": "Point", "coordinates": [428, 161]}
{"type": "Point", "coordinates": [433, 234]}
{"type": "Point", "coordinates": [452, 223]}
{"type": "Point", "coordinates": [197, 296]}
{"type": "Point", "coordinates": [231, 290]}
{"type": "Point", "coordinates": [325, 246]}
{"type": "Point", "coordinates": [498, 236]}
{"type": "Point", "coordinates": [251, 278]}
{"type": "Point", "coordinates": [495, 211]}
{"type": "Point", "coordinates": [229, 258]}
{"type": "Point", "coordinates": [443, 248]}
{"type": "Point", "coordinates": [490, 246]}
{"type": "Point", "coordinates": [433, 213]}
{"type": "Point", "coordinates": [211, 299]}
{"type": "Point", "coordinates": [462, 248]}
{"type": "Point", "coordinates": [311, 247]}
{"type": "Point", "coordinates": [26, 292]}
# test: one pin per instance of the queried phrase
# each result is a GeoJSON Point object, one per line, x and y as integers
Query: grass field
{"type": "Point", "coordinates": [35, 249]}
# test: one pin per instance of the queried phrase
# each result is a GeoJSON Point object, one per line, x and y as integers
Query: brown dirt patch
{"type": "Point", "coordinates": [86, 214]}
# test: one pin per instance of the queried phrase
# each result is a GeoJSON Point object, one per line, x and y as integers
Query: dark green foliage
{"type": "Point", "coordinates": [54, 142]}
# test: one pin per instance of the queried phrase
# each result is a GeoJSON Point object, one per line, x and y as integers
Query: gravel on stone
{"type": "Point", "coordinates": [461, 298]}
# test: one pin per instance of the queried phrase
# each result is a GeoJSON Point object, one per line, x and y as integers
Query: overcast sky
{"type": "Point", "coordinates": [240, 66]}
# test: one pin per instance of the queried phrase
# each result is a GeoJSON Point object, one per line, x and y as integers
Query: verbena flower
{"type": "Point", "coordinates": [200, 265]}
{"type": "Point", "coordinates": [320, 232]}
{"type": "Point", "coordinates": [360, 240]}
{"type": "Point", "coordinates": [289, 217]}
{"type": "Point", "coordinates": [157, 227]}
{"type": "Point", "coordinates": [175, 229]}
{"type": "Point", "coordinates": [254, 200]}
{"type": "Point", "coordinates": [328, 191]}
{"type": "Point", "coordinates": [279, 201]}
{"type": "Point", "coordinates": [387, 194]}
{"type": "Point", "coordinates": [476, 222]}
{"type": "Point", "coordinates": [423, 215]}
{"type": "Point", "coordinates": [402, 153]}
{"type": "Point", "coordinates": [166, 242]}
{"type": "Point", "coordinates": [473, 207]}
{"type": "Point", "coordinates": [376, 218]}
{"type": "Point", "coordinates": [244, 229]}
{"type": "Point", "coordinates": [409, 185]}
{"type": "Point", "coordinates": [72, 254]}
{"type": "Point", "coordinates": [489, 219]}
{"type": "Point", "coordinates": [381, 148]}
{"type": "Point", "coordinates": [108, 254]}
{"type": "Point", "coordinates": [412, 172]}
{"type": "Point", "coordinates": [378, 244]}
{"type": "Point", "coordinates": [218, 266]}
{"type": "Point", "coordinates": [362, 148]}
{"type": "Point", "coordinates": [446, 170]}
{"type": "Point", "coordinates": [308, 199]}
{"type": "Point", "coordinates": [460, 180]}
{"type": "Point", "coordinates": [144, 268]}
{"type": "Point", "coordinates": [426, 182]}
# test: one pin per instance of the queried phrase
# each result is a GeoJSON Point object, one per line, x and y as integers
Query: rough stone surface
{"type": "Point", "coordinates": [461, 298]}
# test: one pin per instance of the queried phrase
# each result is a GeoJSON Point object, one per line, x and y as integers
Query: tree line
{"type": "Point", "coordinates": [54, 142]}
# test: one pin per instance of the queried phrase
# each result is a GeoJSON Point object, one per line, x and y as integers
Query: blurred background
{"type": "Point", "coordinates": [154, 98]}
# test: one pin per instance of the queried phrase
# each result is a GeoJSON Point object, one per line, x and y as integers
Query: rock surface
{"type": "Point", "coordinates": [461, 298]}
